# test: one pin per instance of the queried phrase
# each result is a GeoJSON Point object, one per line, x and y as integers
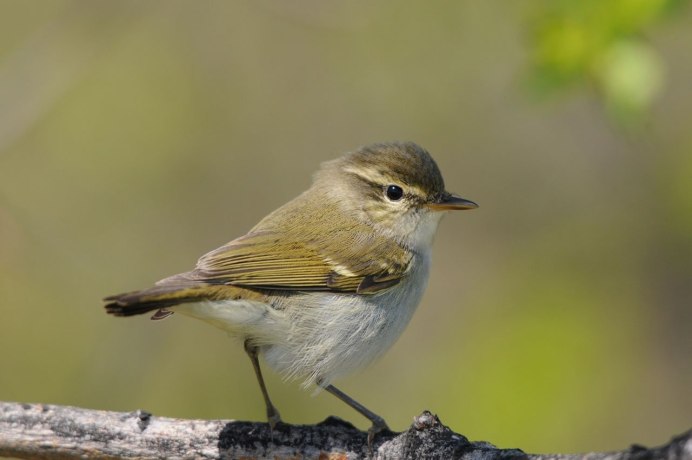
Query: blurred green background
{"type": "Point", "coordinates": [135, 136]}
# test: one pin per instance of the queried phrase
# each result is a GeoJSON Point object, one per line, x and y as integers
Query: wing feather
{"type": "Point", "coordinates": [272, 260]}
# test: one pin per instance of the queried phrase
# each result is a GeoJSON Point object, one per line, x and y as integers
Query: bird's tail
{"type": "Point", "coordinates": [155, 298]}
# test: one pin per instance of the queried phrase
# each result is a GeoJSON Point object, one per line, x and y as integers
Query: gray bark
{"type": "Point", "coordinates": [41, 431]}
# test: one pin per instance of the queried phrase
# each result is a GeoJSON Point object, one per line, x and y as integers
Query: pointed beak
{"type": "Point", "coordinates": [450, 202]}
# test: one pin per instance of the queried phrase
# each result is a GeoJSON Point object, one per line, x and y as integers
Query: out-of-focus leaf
{"type": "Point", "coordinates": [631, 76]}
{"type": "Point", "coordinates": [600, 43]}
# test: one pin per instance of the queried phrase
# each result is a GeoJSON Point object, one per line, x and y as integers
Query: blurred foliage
{"type": "Point", "coordinates": [601, 42]}
{"type": "Point", "coordinates": [135, 136]}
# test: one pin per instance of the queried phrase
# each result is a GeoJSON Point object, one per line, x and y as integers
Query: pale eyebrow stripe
{"type": "Point", "coordinates": [376, 178]}
{"type": "Point", "coordinates": [369, 174]}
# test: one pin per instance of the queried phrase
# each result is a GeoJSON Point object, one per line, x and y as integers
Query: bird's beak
{"type": "Point", "coordinates": [450, 202]}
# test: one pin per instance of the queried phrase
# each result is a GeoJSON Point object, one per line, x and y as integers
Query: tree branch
{"type": "Point", "coordinates": [41, 431]}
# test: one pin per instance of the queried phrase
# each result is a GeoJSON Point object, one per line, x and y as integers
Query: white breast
{"type": "Point", "coordinates": [333, 335]}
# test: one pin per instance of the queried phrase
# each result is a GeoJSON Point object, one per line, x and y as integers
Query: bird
{"type": "Point", "coordinates": [325, 284]}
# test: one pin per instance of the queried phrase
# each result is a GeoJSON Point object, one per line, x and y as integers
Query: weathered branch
{"type": "Point", "coordinates": [59, 432]}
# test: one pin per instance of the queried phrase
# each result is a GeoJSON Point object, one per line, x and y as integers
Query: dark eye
{"type": "Point", "coordinates": [394, 192]}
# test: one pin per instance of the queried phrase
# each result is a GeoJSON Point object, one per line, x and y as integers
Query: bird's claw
{"type": "Point", "coordinates": [378, 425]}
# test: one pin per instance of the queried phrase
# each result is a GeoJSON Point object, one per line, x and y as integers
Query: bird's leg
{"type": "Point", "coordinates": [378, 423]}
{"type": "Point", "coordinates": [273, 416]}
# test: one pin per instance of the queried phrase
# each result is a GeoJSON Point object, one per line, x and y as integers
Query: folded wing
{"type": "Point", "coordinates": [269, 260]}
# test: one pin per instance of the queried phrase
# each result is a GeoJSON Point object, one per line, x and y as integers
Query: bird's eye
{"type": "Point", "coordinates": [394, 192]}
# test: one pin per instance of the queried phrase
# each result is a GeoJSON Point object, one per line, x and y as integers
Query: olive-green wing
{"type": "Point", "coordinates": [271, 260]}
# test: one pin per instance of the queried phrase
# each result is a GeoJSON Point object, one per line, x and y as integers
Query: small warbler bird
{"type": "Point", "coordinates": [325, 284]}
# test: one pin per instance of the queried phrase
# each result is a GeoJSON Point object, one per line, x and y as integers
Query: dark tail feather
{"type": "Point", "coordinates": [155, 298]}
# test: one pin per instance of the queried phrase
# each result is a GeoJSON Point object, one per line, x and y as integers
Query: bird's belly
{"type": "Point", "coordinates": [336, 334]}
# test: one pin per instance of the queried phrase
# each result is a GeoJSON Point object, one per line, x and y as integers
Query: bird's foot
{"type": "Point", "coordinates": [273, 418]}
{"type": "Point", "coordinates": [378, 425]}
